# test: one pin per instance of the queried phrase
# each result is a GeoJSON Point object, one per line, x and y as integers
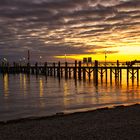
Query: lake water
{"type": "Point", "coordinates": [23, 96]}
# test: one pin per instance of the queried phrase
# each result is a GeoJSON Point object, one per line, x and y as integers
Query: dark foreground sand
{"type": "Point", "coordinates": [120, 123]}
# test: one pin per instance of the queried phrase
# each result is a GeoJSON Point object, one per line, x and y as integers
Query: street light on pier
{"type": "Point", "coordinates": [40, 59]}
{"type": "Point", "coordinates": [5, 59]}
{"type": "Point", "coordinates": [24, 60]}
{"type": "Point", "coordinates": [65, 57]}
{"type": "Point", "coordinates": [105, 57]}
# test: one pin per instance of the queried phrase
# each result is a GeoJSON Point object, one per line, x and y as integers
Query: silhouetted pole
{"type": "Point", "coordinates": [36, 68]}
{"type": "Point", "coordinates": [69, 72]}
{"type": "Point", "coordinates": [120, 74]}
{"type": "Point", "coordinates": [79, 70]}
{"type": "Point", "coordinates": [51, 70]}
{"type": "Point", "coordinates": [127, 75]}
{"type": "Point", "coordinates": [106, 74]}
{"type": "Point", "coordinates": [89, 74]}
{"type": "Point", "coordinates": [137, 75]}
{"type": "Point", "coordinates": [110, 75]}
{"type": "Point", "coordinates": [96, 71]}
{"type": "Point", "coordinates": [84, 73]}
{"type": "Point", "coordinates": [75, 69]}
{"type": "Point", "coordinates": [28, 56]}
{"type": "Point", "coordinates": [133, 75]}
{"type": "Point", "coordinates": [14, 67]}
{"type": "Point", "coordinates": [117, 63]}
{"type": "Point", "coordinates": [61, 69]}
{"type": "Point", "coordinates": [28, 68]}
{"type": "Point", "coordinates": [58, 70]}
{"type": "Point", "coordinates": [66, 70]}
{"type": "Point", "coordinates": [54, 69]}
{"type": "Point", "coordinates": [101, 75]}
{"type": "Point", "coordinates": [45, 69]}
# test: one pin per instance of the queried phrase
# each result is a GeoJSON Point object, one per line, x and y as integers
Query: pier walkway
{"type": "Point", "coordinates": [77, 70]}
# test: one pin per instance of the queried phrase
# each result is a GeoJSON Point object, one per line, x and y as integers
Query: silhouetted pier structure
{"type": "Point", "coordinates": [78, 70]}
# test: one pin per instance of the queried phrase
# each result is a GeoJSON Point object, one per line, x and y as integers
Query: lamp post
{"type": "Point", "coordinates": [40, 59]}
{"type": "Point", "coordinates": [65, 57]}
{"type": "Point", "coordinates": [24, 60]}
{"type": "Point", "coordinates": [105, 58]}
{"type": "Point", "coordinates": [5, 61]}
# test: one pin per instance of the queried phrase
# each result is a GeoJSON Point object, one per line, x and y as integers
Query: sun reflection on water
{"type": "Point", "coordinates": [41, 87]}
{"type": "Point", "coordinates": [6, 85]}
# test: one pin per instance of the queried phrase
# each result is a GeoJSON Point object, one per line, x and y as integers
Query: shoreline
{"type": "Point", "coordinates": [66, 113]}
{"type": "Point", "coordinates": [120, 122]}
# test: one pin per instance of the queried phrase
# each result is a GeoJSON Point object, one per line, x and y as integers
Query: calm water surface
{"type": "Point", "coordinates": [24, 96]}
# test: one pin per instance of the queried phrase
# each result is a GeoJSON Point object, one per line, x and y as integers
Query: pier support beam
{"type": "Point", "coordinates": [66, 70]}
{"type": "Point", "coordinates": [58, 70]}
{"type": "Point", "coordinates": [79, 70]}
{"type": "Point", "coordinates": [137, 75]}
{"type": "Point", "coordinates": [127, 75]}
{"type": "Point", "coordinates": [75, 70]}
{"type": "Point", "coordinates": [45, 69]}
{"type": "Point", "coordinates": [96, 72]}
{"type": "Point", "coordinates": [106, 74]}
{"type": "Point", "coordinates": [111, 75]}
{"type": "Point", "coordinates": [54, 69]}
{"type": "Point", "coordinates": [120, 75]}
{"type": "Point", "coordinates": [28, 68]}
{"type": "Point", "coordinates": [84, 73]}
{"type": "Point", "coordinates": [36, 68]}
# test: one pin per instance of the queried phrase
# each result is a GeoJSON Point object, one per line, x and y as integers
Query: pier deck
{"type": "Point", "coordinates": [77, 70]}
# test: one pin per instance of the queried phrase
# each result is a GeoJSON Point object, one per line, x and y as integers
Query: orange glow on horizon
{"type": "Point", "coordinates": [101, 57]}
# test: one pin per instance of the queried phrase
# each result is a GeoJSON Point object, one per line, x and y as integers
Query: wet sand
{"type": "Point", "coordinates": [103, 124]}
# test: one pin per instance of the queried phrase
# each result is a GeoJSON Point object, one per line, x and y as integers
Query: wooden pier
{"type": "Point", "coordinates": [77, 70]}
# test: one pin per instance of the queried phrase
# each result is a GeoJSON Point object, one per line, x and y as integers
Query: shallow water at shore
{"type": "Point", "coordinates": [24, 96]}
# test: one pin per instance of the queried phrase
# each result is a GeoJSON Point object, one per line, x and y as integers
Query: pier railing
{"type": "Point", "coordinates": [77, 70]}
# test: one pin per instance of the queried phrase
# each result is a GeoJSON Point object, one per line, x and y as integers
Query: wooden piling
{"type": "Point", "coordinates": [75, 70]}
{"type": "Point", "coordinates": [117, 63]}
{"type": "Point", "coordinates": [45, 69]}
{"type": "Point", "coordinates": [36, 68]}
{"type": "Point", "coordinates": [127, 75]}
{"type": "Point", "coordinates": [101, 74]}
{"type": "Point", "coordinates": [28, 68]}
{"type": "Point", "coordinates": [89, 74]}
{"type": "Point", "coordinates": [110, 75]}
{"type": "Point", "coordinates": [133, 75]}
{"type": "Point", "coordinates": [96, 71]}
{"type": "Point", "coordinates": [69, 72]}
{"type": "Point", "coordinates": [79, 70]}
{"type": "Point", "coordinates": [137, 75]}
{"type": "Point", "coordinates": [120, 75]}
{"type": "Point", "coordinates": [84, 73]}
{"type": "Point", "coordinates": [54, 69]}
{"type": "Point", "coordinates": [51, 71]}
{"type": "Point", "coordinates": [66, 70]}
{"type": "Point", "coordinates": [58, 70]}
{"type": "Point", "coordinates": [14, 67]}
{"type": "Point", "coordinates": [106, 74]}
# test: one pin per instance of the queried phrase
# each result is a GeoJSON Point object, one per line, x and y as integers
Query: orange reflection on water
{"type": "Point", "coordinates": [41, 94]}
{"type": "Point", "coordinates": [21, 81]}
{"type": "Point", "coordinates": [25, 85]}
{"type": "Point", "coordinates": [41, 87]}
{"type": "Point", "coordinates": [65, 93]}
{"type": "Point", "coordinates": [6, 85]}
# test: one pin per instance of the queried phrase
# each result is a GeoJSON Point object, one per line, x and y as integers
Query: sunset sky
{"type": "Point", "coordinates": [77, 28]}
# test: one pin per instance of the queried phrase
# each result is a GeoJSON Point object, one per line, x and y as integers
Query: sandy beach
{"type": "Point", "coordinates": [103, 124]}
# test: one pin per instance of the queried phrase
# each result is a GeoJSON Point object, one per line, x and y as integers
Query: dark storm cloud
{"type": "Point", "coordinates": [52, 26]}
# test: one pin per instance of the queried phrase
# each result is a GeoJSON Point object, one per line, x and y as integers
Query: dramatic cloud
{"type": "Point", "coordinates": [54, 27]}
